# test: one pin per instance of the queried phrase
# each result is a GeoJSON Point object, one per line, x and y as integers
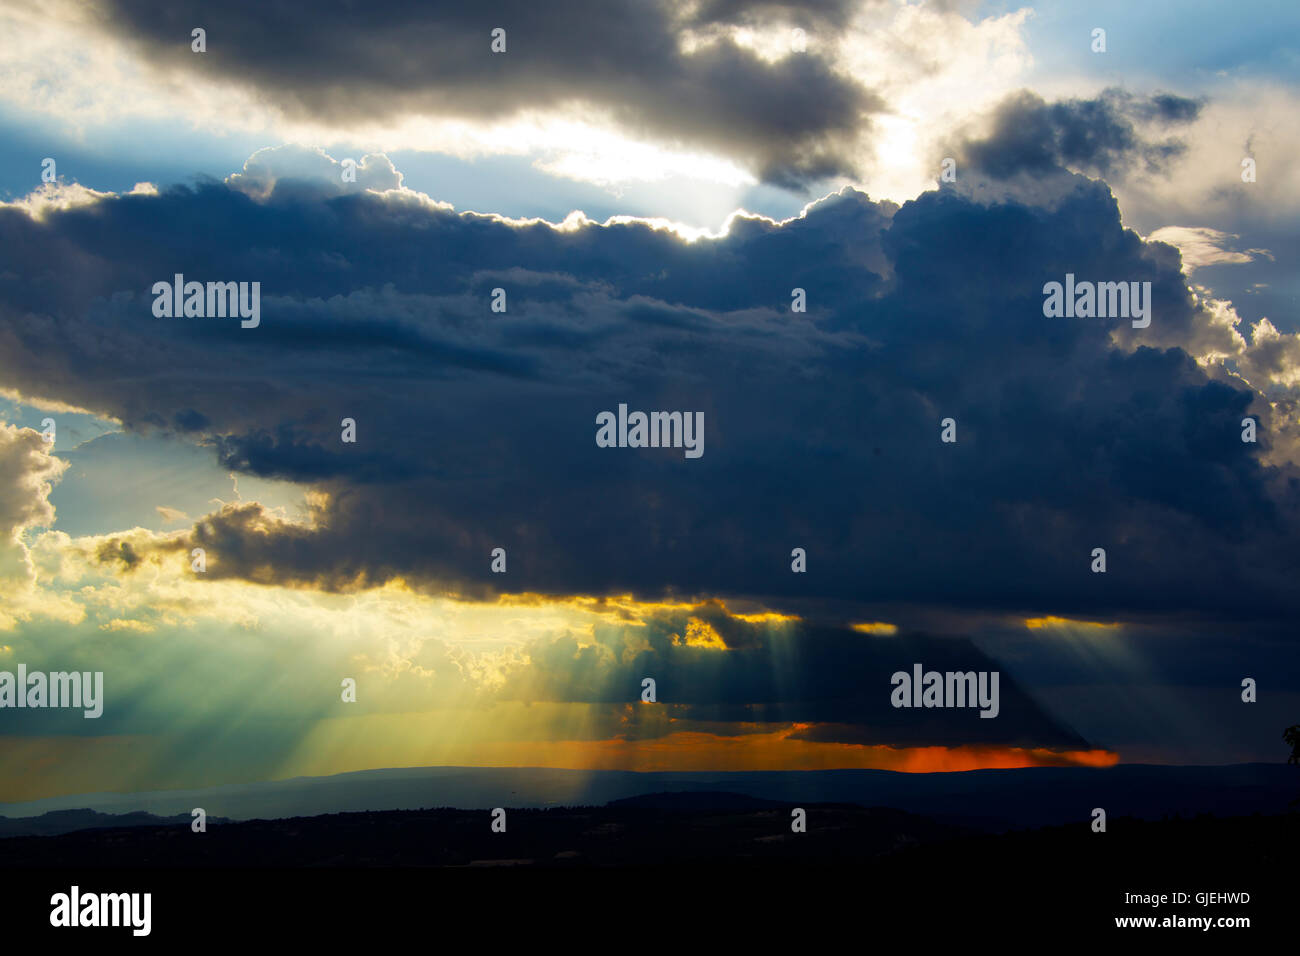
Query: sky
{"type": "Point", "coordinates": [648, 184]}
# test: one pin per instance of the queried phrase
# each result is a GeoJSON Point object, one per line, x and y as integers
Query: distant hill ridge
{"type": "Point", "coordinates": [698, 800]}
{"type": "Point", "coordinates": [991, 800]}
{"type": "Point", "coordinates": [67, 821]}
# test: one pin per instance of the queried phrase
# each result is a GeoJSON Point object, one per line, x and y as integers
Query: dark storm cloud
{"type": "Point", "coordinates": [338, 62]}
{"type": "Point", "coordinates": [1095, 136]}
{"type": "Point", "coordinates": [476, 429]}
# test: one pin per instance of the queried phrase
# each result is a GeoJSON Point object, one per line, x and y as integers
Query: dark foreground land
{"type": "Point", "coordinates": [725, 858]}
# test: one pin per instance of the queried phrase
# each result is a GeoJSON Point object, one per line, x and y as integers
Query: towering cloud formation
{"type": "Point", "coordinates": [474, 428]}
{"type": "Point", "coordinates": [27, 472]}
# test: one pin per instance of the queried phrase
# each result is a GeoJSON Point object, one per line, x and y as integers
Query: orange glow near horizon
{"type": "Point", "coordinates": [69, 765]}
{"type": "Point", "coordinates": [687, 751]}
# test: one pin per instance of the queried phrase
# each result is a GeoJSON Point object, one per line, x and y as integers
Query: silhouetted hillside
{"type": "Point", "coordinates": [622, 835]}
{"type": "Point", "coordinates": [876, 871]}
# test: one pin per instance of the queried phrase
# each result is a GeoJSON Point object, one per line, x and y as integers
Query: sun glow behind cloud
{"type": "Point", "coordinates": [439, 678]}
